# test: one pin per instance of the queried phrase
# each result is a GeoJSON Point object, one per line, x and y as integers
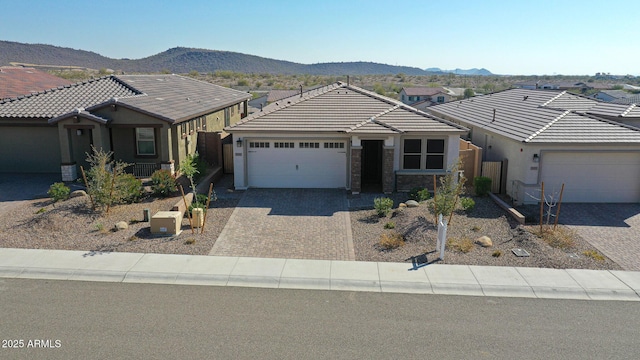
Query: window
{"type": "Point", "coordinates": [309, 145]}
{"type": "Point", "coordinates": [258, 144]}
{"type": "Point", "coordinates": [227, 117]}
{"type": "Point", "coordinates": [145, 141]}
{"type": "Point", "coordinates": [183, 129]}
{"type": "Point", "coordinates": [334, 145]}
{"type": "Point", "coordinates": [440, 99]}
{"type": "Point", "coordinates": [283, 145]}
{"type": "Point", "coordinates": [423, 154]}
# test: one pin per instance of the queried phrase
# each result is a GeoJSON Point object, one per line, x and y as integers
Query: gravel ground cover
{"type": "Point", "coordinates": [72, 225]}
{"type": "Point", "coordinates": [417, 226]}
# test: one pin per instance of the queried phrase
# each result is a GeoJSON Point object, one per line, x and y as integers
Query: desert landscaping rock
{"type": "Point", "coordinates": [412, 204]}
{"type": "Point", "coordinates": [402, 206]}
{"type": "Point", "coordinates": [78, 193]}
{"type": "Point", "coordinates": [484, 241]}
{"type": "Point", "coordinates": [121, 225]}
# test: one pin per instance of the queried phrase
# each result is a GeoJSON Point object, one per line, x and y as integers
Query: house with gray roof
{"type": "Point", "coordinates": [422, 97]}
{"type": "Point", "coordinates": [554, 137]}
{"type": "Point", "coordinates": [342, 136]}
{"type": "Point", "coordinates": [611, 95]}
{"type": "Point", "coordinates": [150, 121]}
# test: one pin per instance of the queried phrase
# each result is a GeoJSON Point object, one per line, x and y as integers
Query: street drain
{"type": "Point", "coordinates": [520, 252]}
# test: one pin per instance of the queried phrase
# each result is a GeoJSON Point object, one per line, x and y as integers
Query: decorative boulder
{"type": "Point", "coordinates": [412, 203]}
{"type": "Point", "coordinates": [402, 206]}
{"type": "Point", "coordinates": [78, 193]}
{"type": "Point", "coordinates": [121, 225]}
{"type": "Point", "coordinates": [484, 241]}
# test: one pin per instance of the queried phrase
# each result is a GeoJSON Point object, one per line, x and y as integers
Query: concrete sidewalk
{"type": "Point", "coordinates": [320, 274]}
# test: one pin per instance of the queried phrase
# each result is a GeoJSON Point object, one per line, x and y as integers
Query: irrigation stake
{"type": "Point", "coordinates": [204, 221]}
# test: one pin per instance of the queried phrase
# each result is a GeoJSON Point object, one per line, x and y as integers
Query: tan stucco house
{"type": "Point", "coordinates": [150, 121]}
{"type": "Point", "coordinates": [342, 136]}
{"type": "Point", "coordinates": [555, 137]}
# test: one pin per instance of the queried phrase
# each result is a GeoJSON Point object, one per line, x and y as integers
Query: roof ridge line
{"type": "Point", "coordinates": [372, 119]}
{"type": "Point", "coordinates": [547, 126]}
{"type": "Point", "coordinates": [628, 110]}
{"type": "Point", "coordinates": [553, 98]}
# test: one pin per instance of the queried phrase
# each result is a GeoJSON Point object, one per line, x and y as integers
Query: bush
{"type": "Point", "coordinates": [442, 204]}
{"type": "Point", "coordinates": [419, 194]}
{"type": "Point", "coordinates": [482, 185]}
{"type": "Point", "coordinates": [467, 203]}
{"type": "Point", "coordinates": [127, 189]}
{"type": "Point", "coordinates": [383, 206]}
{"type": "Point", "coordinates": [594, 255]}
{"type": "Point", "coordinates": [390, 225]}
{"type": "Point", "coordinates": [463, 245]}
{"type": "Point", "coordinates": [59, 191]}
{"type": "Point", "coordinates": [389, 241]}
{"type": "Point", "coordinates": [163, 183]}
{"type": "Point", "coordinates": [199, 202]}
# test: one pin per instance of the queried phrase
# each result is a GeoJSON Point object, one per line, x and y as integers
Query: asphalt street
{"type": "Point", "coordinates": [94, 320]}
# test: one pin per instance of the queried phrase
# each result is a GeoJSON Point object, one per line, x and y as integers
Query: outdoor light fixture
{"type": "Point", "coordinates": [239, 142]}
{"type": "Point", "coordinates": [79, 132]}
{"type": "Point", "coordinates": [536, 158]}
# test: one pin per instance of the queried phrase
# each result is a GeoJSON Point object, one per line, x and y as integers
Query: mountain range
{"type": "Point", "coordinates": [184, 60]}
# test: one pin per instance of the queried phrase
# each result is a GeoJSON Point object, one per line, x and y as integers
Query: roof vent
{"type": "Point", "coordinates": [525, 97]}
{"type": "Point", "coordinates": [494, 115]}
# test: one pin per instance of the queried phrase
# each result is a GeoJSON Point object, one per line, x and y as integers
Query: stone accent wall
{"type": "Point", "coordinates": [69, 172]}
{"type": "Point", "coordinates": [387, 170]}
{"type": "Point", "coordinates": [407, 182]}
{"type": "Point", "coordinates": [169, 166]}
{"type": "Point", "coordinates": [356, 170]}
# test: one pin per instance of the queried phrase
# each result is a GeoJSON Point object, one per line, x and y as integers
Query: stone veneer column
{"type": "Point", "coordinates": [169, 167]}
{"type": "Point", "coordinates": [387, 170]}
{"type": "Point", "coordinates": [69, 172]}
{"type": "Point", "coordinates": [356, 170]}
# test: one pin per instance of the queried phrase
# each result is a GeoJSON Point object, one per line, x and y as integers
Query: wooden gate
{"type": "Point", "coordinates": [227, 158]}
{"type": "Point", "coordinates": [493, 170]}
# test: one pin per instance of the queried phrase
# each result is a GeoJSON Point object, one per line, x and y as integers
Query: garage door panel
{"type": "Point", "coordinates": [593, 177]}
{"type": "Point", "coordinates": [297, 167]}
{"type": "Point", "coordinates": [29, 149]}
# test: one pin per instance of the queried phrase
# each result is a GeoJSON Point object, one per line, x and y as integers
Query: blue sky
{"type": "Point", "coordinates": [539, 37]}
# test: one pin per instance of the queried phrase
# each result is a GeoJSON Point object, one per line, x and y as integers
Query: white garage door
{"type": "Point", "coordinates": [290, 163]}
{"type": "Point", "coordinates": [593, 176]}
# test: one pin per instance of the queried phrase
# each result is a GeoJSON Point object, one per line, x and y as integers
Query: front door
{"type": "Point", "coordinates": [372, 165]}
{"type": "Point", "coordinates": [81, 141]}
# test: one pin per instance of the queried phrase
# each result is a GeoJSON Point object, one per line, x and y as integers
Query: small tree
{"type": "Point", "coordinates": [450, 189]}
{"type": "Point", "coordinates": [189, 170]}
{"type": "Point", "coordinates": [469, 93]}
{"type": "Point", "coordinates": [102, 178]}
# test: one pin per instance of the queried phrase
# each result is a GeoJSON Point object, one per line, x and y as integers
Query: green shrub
{"type": "Point", "coordinates": [127, 189]}
{"type": "Point", "coordinates": [467, 203]}
{"type": "Point", "coordinates": [390, 225]}
{"type": "Point", "coordinates": [163, 183]}
{"type": "Point", "coordinates": [482, 185]}
{"type": "Point", "coordinates": [442, 204]}
{"type": "Point", "coordinates": [419, 194]}
{"type": "Point", "coordinates": [200, 202]}
{"type": "Point", "coordinates": [383, 206]}
{"type": "Point", "coordinates": [59, 191]}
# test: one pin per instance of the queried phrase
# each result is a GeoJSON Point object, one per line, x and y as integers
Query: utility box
{"type": "Point", "coordinates": [166, 223]}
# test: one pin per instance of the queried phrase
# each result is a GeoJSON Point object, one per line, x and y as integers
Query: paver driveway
{"type": "Point", "coordinates": [614, 229]}
{"type": "Point", "coordinates": [289, 223]}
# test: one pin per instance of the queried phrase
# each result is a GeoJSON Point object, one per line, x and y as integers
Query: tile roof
{"type": "Point", "coordinates": [424, 91]}
{"type": "Point", "coordinates": [615, 110]}
{"type": "Point", "coordinates": [64, 99]}
{"type": "Point", "coordinates": [170, 97]}
{"type": "Point", "coordinates": [343, 108]}
{"type": "Point", "coordinates": [633, 99]}
{"type": "Point", "coordinates": [538, 116]}
{"type": "Point", "coordinates": [16, 81]}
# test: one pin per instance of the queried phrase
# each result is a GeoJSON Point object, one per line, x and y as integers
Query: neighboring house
{"type": "Point", "coordinates": [17, 81]}
{"type": "Point", "coordinates": [150, 121]}
{"type": "Point", "coordinates": [611, 95]}
{"type": "Point", "coordinates": [342, 136]}
{"type": "Point", "coordinates": [566, 85]}
{"type": "Point", "coordinates": [633, 99]}
{"type": "Point", "coordinates": [423, 97]}
{"type": "Point", "coordinates": [553, 137]}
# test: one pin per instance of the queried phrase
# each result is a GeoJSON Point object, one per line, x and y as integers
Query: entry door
{"type": "Point", "coordinates": [372, 162]}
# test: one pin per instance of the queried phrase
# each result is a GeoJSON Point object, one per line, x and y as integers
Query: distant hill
{"type": "Point", "coordinates": [184, 60]}
{"type": "Point", "coordinates": [474, 71]}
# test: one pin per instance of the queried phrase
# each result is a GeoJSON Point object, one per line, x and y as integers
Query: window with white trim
{"type": "Point", "coordinates": [423, 154]}
{"type": "Point", "coordinates": [145, 141]}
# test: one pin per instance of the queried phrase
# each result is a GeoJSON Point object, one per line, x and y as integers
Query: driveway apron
{"type": "Point", "coordinates": [15, 188]}
{"type": "Point", "coordinates": [614, 229]}
{"type": "Point", "coordinates": [289, 223]}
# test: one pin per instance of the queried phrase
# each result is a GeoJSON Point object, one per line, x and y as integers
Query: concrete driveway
{"type": "Point", "coordinates": [289, 223]}
{"type": "Point", "coordinates": [16, 188]}
{"type": "Point", "coordinates": [614, 229]}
